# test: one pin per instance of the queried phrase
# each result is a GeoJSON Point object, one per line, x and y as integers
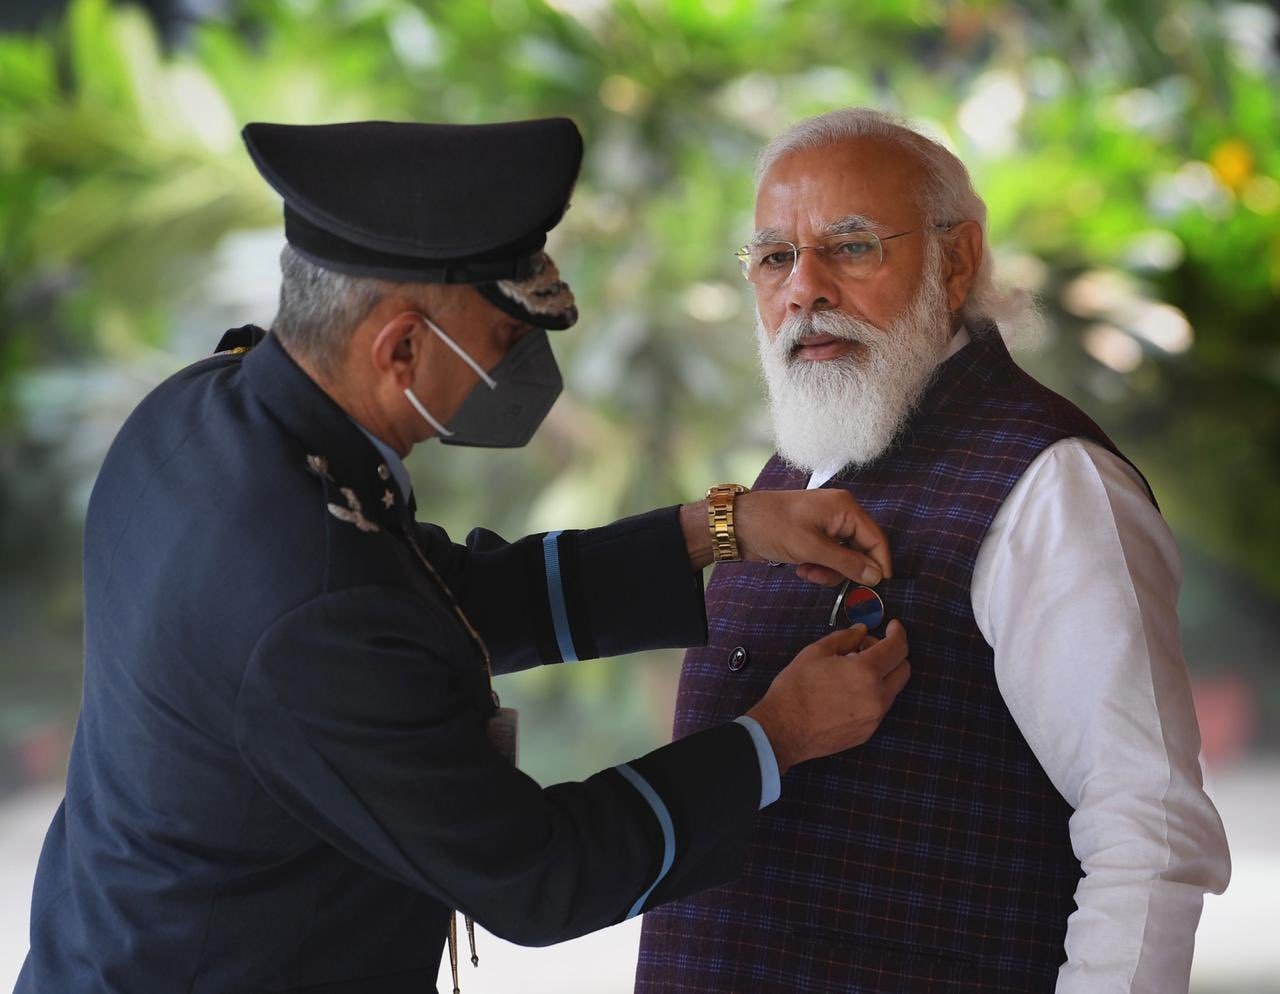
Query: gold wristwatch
{"type": "Point", "coordinates": [724, 543]}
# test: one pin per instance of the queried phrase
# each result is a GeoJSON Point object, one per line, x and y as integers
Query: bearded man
{"type": "Point", "coordinates": [1031, 816]}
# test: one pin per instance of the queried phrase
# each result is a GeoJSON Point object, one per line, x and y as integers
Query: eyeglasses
{"type": "Point", "coordinates": [856, 254]}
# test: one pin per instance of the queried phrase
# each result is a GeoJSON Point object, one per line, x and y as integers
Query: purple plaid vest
{"type": "Point", "coordinates": [935, 858]}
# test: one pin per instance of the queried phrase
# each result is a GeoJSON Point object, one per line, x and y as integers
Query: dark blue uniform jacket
{"type": "Point", "coordinates": [281, 779]}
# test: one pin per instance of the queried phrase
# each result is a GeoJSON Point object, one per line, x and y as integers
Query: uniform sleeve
{"type": "Point", "coordinates": [570, 595]}
{"type": "Point", "coordinates": [364, 722]}
{"type": "Point", "coordinates": [1076, 589]}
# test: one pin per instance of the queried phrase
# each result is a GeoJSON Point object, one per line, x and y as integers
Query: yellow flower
{"type": "Point", "coordinates": [1232, 161]}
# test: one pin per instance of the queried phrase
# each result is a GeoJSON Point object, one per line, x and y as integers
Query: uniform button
{"type": "Point", "coordinates": [737, 659]}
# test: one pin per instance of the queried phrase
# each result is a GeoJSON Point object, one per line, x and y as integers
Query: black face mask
{"type": "Point", "coordinates": [504, 409]}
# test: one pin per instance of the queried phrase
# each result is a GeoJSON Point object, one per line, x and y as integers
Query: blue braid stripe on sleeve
{"type": "Point", "coordinates": [668, 831]}
{"type": "Point", "coordinates": [770, 778]}
{"type": "Point", "coordinates": [555, 593]}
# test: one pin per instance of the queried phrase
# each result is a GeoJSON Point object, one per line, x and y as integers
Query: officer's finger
{"type": "Point", "coordinates": [854, 527]}
{"type": "Point", "coordinates": [868, 537]}
{"type": "Point", "coordinates": [896, 680]}
{"type": "Point", "coordinates": [839, 561]}
{"type": "Point", "coordinates": [889, 651]}
{"type": "Point", "coordinates": [840, 642]}
{"type": "Point", "coordinates": [834, 533]}
{"type": "Point", "coordinates": [821, 575]}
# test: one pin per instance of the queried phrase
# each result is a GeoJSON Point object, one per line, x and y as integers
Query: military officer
{"type": "Point", "coordinates": [290, 766]}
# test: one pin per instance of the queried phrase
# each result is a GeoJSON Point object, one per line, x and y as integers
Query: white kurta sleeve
{"type": "Point", "coordinates": [1076, 590]}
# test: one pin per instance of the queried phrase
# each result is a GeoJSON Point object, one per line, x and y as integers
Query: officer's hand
{"type": "Point", "coordinates": [833, 695]}
{"type": "Point", "coordinates": [825, 531]}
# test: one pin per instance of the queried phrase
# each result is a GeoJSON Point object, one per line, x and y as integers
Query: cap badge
{"type": "Point", "coordinates": [543, 292]}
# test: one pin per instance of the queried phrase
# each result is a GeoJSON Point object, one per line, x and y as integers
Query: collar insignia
{"type": "Point", "coordinates": [353, 512]}
{"type": "Point", "coordinates": [320, 466]}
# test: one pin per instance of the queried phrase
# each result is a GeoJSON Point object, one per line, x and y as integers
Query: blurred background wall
{"type": "Point", "coordinates": [1127, 150]}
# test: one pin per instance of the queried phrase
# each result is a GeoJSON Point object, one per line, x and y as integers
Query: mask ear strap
{"type": "Point", "coordinates": [489, 381]}
{"type": "Point", "coordinates": [418, 406]}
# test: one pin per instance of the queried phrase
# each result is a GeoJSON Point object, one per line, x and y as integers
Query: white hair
{"type": "Point", "coordinates": [947, 197]}
{"type": "Point", "coordinates": [320, 308]}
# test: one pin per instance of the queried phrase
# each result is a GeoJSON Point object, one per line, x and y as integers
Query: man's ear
{"type": "Point", "coordinates": [962, 247]}
{"type": "Point", "coordinates": [397, 347]}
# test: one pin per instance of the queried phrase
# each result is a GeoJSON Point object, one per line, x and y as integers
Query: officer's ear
{"type": "Point", "coordinates": [397, 347]}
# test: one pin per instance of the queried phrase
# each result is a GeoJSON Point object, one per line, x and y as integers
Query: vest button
{"type": "Point", "coordinates": [737, 659]}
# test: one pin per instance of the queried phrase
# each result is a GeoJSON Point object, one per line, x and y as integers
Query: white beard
{"type": "Point", "coordinates": [829, 414]}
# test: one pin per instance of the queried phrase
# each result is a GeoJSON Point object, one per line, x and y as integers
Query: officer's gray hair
{"type": "Point", "coordinates": [947, 197]}
{"type": "Point", "coordinates": [319, 309]}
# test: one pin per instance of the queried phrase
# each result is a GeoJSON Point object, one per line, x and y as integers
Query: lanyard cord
{"type": "Point", "coordinates": [488, 673]}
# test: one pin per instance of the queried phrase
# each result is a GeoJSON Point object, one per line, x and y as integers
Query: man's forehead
{"type": "Point", "coordinates": [869, 156]}
{"type": "Point", "coordinates": [862, 182]}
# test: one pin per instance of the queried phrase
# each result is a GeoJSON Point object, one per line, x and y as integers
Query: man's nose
{"type": "Point", "coordinates": [813, 285]}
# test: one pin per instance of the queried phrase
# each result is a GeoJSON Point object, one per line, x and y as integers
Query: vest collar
{"type": "Point", "coordinates": [967, 373]}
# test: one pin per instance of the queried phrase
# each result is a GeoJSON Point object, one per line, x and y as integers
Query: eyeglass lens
{"type": "Point", "coordinates": [771, 263]}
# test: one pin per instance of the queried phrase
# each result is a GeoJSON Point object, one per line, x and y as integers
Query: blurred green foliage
{"type": "Point", "coordinates": [1127, 151]}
